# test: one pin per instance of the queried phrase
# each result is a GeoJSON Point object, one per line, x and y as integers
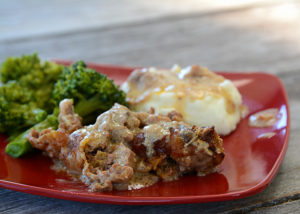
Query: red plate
{"type": "Point", "coordinates": [249, 166]}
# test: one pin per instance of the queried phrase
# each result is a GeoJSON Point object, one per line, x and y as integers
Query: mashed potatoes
{"type": "Point", "coordinates": [201, 96]}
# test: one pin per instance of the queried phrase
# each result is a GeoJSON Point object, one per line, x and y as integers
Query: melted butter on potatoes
{"type": "Point", "coordinates": [201, 96]}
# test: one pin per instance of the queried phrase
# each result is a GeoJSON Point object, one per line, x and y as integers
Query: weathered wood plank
{"type": "Point", "coordinates": [289, 207]}
{"type": "Point", "coordinates": [217, 41]}
{"type": "Point", "coordinates": [25, 18]}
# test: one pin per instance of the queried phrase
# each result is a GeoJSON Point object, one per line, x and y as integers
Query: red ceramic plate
{"type": "Point", "coordinates": [249, 166]}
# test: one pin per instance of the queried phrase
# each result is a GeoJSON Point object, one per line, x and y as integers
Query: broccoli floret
{"type": "Point", "coordinates": [92, 94]}
{"type": "Point", "coordinates": [12, 91]}
{"type": "Point", "coordinates": [25, 92]}
{"type": "Point", "coordinates": [18, 110]}
{"type": "Point", "coordinates": [15, 116]}
{"type": "Point", "coordinates": [14, 68]}
{"type": "Point", "coordinates": [29, 71]}
{"type": "Point", "coordinates": [33, 77]}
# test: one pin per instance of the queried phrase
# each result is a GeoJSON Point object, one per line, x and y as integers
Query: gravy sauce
{"type": "Point", "coordinates": [194, 82]}
{"type": "Point", "coordinates": [266, 135]}
{"type": "Point", "coordinates": [265, 118]}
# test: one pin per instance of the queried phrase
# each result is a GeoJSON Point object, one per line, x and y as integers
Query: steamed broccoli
{"type": "Point", "coordinates": [25, 92]}
{"type": "Point", "coordinates": [29, 71]}
{"type": "Point", "coordinates": [17, 110]}
{"type": "Point", "coordinates": [92, 94]}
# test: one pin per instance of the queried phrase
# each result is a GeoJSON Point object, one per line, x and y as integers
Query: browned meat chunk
{"type": "Point", "coordinates": [175, 116]}
{"type": "Point", "coordinates": [128, 150]}
{"type": "Point", "coordinates": [201, 153]}
{"type": "Point", "coordinates": [68, 120]}
{"type": "Point", "coordinates": [48, 140]}
{"type": "Point", "coordinates": [124, 156]}
{"type": "Point", "coordinates": [116, 175]}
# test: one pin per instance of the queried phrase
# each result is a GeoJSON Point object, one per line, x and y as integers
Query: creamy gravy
{"type": "Point", "coordinates": [265, 118]}
{"type": "Point", "coordinates": [193, 82]}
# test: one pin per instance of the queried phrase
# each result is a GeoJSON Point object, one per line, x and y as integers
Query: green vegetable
{"type": "Point", "coordinates": [91, 92]}
{"type": "Point", "coordinates": [19, 145]}
{"type": "Point", "coordinates": [25, 92]}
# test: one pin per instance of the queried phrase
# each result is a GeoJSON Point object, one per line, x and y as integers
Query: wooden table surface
{"type": "Point", "coordinates": [221, 35]}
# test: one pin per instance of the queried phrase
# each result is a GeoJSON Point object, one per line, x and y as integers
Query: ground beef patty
{"type": "Point", "coordinates": [129, 150]}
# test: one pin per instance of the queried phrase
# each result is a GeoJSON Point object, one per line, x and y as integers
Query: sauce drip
{"type": "Point", "coordinates": [244, 111]}
{"type": "Point", "coordinates": [265, 118]}
{"type": "Point", "coordinates": [267, 135]}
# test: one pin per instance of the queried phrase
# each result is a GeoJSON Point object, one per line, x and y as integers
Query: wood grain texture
{"type": "Point", "coordinates": [218, 41]}
{"type": "Point", "coordinates": [252, 38]}
{"type": "Point", "coordinates": [289, 207]}
{"type": "Point", "coordinates": [26, 18]}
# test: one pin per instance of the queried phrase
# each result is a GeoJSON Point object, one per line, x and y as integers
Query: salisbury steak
{"type": "Point", "coordinates": [129, 150]}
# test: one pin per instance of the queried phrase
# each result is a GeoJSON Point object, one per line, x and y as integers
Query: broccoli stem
{"type": "Point", "coordinates": [89, 109]}
{"type": "Point", "coordinates": [20, 145]}
{"type": "Point", "coordinates": [34, 116]}
{"type": "Point", "coordinates": [87, 106]}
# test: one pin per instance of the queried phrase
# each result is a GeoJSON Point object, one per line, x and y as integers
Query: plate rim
{"type": "Point", "coordinates": [155, 200]}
